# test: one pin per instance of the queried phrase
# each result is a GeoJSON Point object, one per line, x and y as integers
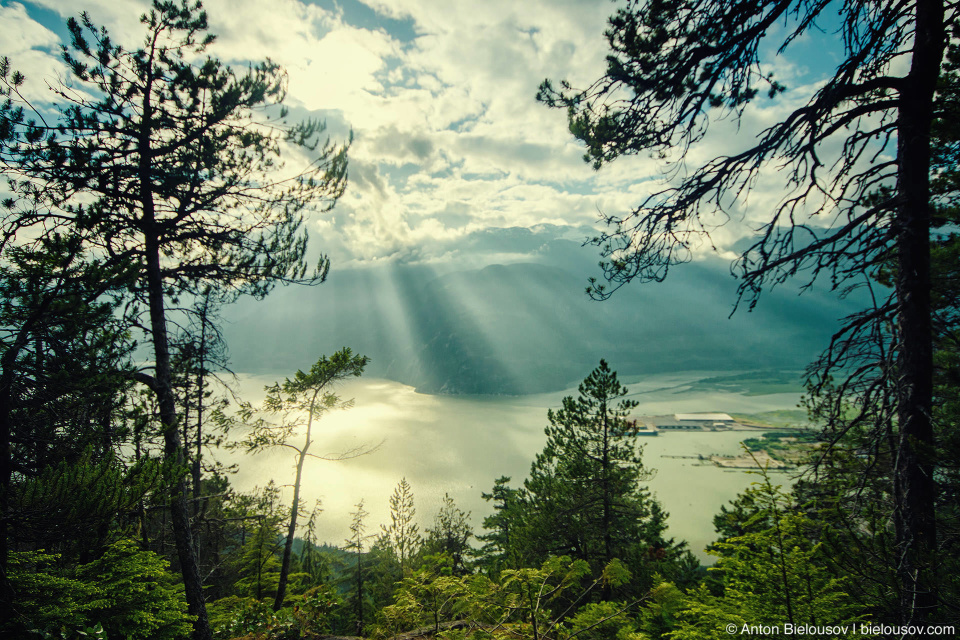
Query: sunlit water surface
{"type": "Point", "coordinates": [460, 445]}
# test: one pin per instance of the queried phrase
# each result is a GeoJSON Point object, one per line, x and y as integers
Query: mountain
{"type": "Point", "coordinates": [527, 327]}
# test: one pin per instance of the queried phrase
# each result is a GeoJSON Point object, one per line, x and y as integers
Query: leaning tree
{"type": "Point", "coordinates": [855, 155]}
{"type": "Point", "coordinates": [168, 160]}
{"type": "Point", "coordinates": [308, 396]}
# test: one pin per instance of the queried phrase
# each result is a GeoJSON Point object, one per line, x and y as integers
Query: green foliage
{"type": "Point", "coordinates": [310, 393]}
{"type": "Point", "coordinates": [584, 496]}
{"type": "Point", "coordinates": [233, 616]}
{"type": "Point", "coordinates": [774, 574]}
{"type": "Point", "coordinates": [527, 602]}
{"type": "Point", "coordinates": [500, 549]}
{"type": "Point", "coordinates": [254, 560]}
{"type": "Point", "coordinates": [302, 391]}
{"type": "Point", "coordinates": [96, 632]}
{"type": "Point", "coordinates": [316, 607]}
{"type": "Point", "coordinates": [312, 561]}
{"type": "Point", "coordinates": [127, 591]}
{"type": "Point", "coordinates": [211, 185]}
{"type": "Point", "coordinates": [359, 591]}
{"type": "Point", "coordinates": [675, 66]}
{"type": "Point", "coordinates": [857, 485]}
{"type": "Point", "coordinates": [450, 535]}
{"type": "Point", "coordinates": [63, 350]}
{"type": "Point", "coordinates": [528, 594]}
{"type": "Point", "coordinates": [85, 495]}
{"type": "Point", "coordinates": [309, 615]}
{"type": "Point", "coordinates": [402, 537]}
{"type": "Point", "coordinates": [224, 613]}
{"type": "Point", "coordinates": [383, 574]}
{"type": "Point", "coordinates": [64, 370]}
{"type": "Point", "coordinates": [741, 518]}
{"type": "Point", "coordinates": [428, 597]}
{"type": "Point", "coordinates": [48, 596]}
{"type": "Point", "coordinates": [136, 596]}
{"type": "Point", "coordinates": [658, 616]}
{"type": "Point", "coordinates": [601, 621]}
{"type": "Point", "coordinates": [165, 162]}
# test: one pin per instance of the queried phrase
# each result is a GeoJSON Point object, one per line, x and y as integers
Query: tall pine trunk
{"type": "Point", "coordinates": [915, 489]}
{"type": "Point", "coordinates": [166, 402]}
{"type": "Point", "coordinates": [173, 449]}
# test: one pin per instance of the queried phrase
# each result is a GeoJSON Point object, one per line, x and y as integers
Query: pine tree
{"type": "Point", "coordinates": [64, 366]}
{"type": "Point", "coordinates": [310, 393]}
{"type": "Point", "coordinates": [500, 549]}
{"type": "Point", "coordinates": [858, 164]}
{"type": "Point", "coordinates": [774, 575]}
{"type": "Point", "coordinates": [402, 535]}
{"type": "Point", "coordinates": [584, 497]}
{"type": "Point", "coordinates": [355, 544]}
{"type": "Point", "coordinates": [157, 156]}
{"type": "Point", "coordinates": [450, 535]}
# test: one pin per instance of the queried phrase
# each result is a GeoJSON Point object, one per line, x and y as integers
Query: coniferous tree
{"type": "Point", "coordinates": [675, 66]}
{"type": "Point", "coordinates": [64, 368]}
{"type": "Point", "coordinates": [311, 393]}
{"type": "Point", "coordinates": [402, 536]}
{"type": "Point", "coordinates": [772, 576]}
{"type": "Point", "coordinates": [355, 544]}
{"type": "Point", "coordinates": [125, 592]}
{"type": "Point", "coordinates": [312, 562]}
{"type": "Point", "coordinates": [199, 355]}
{"type": "Point", "coordinates": [182, 183]}
{"type": "Point", "coordinates": [855, 488]}
{"type": "Point", "coordinates": [500, 549]}
{"type": "Point", "coordinates": [450, 535]}
{"type": "Point", "coordinates": [584, 496]}
{"type": "Point", "coordinates": [256, 563]}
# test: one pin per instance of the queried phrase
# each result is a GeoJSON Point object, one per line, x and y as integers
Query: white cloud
{"type": "Point", "coordinates": [20, 33]}
{"type": "Point", "coordinates": [120, 17]}
{"type": "Point", "coordinates": [448, 136]}
{"type": "Point", "coordinates": [32, 50]}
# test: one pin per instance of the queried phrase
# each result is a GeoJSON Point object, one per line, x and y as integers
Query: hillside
{"type": "Point", "coordinates": [527, 327]}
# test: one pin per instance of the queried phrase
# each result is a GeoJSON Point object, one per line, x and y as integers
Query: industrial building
{"type": "Point", "coordinates": [688, 422]}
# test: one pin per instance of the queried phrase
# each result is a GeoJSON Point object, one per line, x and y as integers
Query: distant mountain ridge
{"type": "Point", "coordinates": [526, 327]}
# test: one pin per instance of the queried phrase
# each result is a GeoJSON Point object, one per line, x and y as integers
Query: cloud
{"type": "Point", "coordinates": [440, 96]}
{"type": "Point", "coordinates": [32, 50]}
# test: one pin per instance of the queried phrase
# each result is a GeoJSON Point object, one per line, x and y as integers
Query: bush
{"type": "Point", "coordinates": [601, 621]}
{"type": "Point", "coordinates": [127, 593]}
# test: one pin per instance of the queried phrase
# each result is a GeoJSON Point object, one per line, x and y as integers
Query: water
{"type": "Point", "coordinates": [460, 445]}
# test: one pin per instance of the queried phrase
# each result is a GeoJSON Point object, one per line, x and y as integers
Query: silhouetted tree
{"type": "Point", "coordinates": [156, 154]}
{"type": "Point", "coordinates": [856, 156]}
{"type": "Point", "coordinates": [584, 496]}
{"type": "Point", "coordinates": [450, 535]}
{"type": "Point", "coordinates": [63, 367]}
{"type": "Point", "coordinates": [311, 394]}
{"type": "Point", "coordinates": [355, 544]}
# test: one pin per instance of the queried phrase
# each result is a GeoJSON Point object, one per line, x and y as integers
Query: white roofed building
{"type": "Point", "coordinates": [702, 417]}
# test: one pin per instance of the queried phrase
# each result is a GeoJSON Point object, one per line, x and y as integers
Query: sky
{"type": "Point", "coordinates": [449, 141]}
